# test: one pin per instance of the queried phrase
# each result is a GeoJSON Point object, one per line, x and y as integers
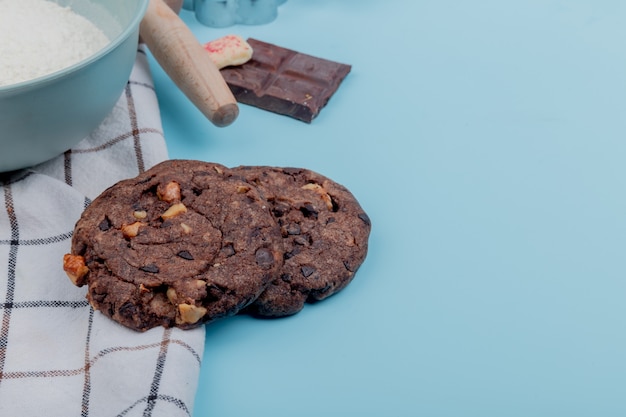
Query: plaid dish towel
{"type": "Point", "coordinates": [59, 357]}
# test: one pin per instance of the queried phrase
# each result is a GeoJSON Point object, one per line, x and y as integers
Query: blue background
{"type": "Point", "coordinates": [487, 142]}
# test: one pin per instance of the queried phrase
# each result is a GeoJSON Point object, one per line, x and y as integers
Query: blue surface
{"type": "Point", "coordinates": [487, 142]}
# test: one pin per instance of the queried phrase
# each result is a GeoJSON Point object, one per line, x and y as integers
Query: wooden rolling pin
{"type": "Point", "coordinates": [186, 62]}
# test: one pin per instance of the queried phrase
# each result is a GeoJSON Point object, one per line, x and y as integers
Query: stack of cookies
{"type": "Point", "coordinates": [189, 242]}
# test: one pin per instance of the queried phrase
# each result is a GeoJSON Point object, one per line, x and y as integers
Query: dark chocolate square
{"type": "Point", "coordinates": [284, 81]}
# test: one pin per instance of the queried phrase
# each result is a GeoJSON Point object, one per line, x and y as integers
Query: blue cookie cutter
{"type": "Point", "coordinates": [224, 13]}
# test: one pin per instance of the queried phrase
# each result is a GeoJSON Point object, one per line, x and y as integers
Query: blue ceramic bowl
{"type": "Point", "coordinates": [44, 117]}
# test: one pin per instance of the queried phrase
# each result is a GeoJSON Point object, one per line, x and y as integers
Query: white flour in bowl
{"type": "Point", "coordinates": [38, 37]}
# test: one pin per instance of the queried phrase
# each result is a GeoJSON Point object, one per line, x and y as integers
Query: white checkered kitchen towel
{"type": "Point", "coordinates": [58, 357]}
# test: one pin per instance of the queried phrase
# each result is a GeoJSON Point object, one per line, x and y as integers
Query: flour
{"type": "Point", "coordinates": [38, 37]}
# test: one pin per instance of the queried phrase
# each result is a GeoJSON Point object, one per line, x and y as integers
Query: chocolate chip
{"type": "Point", "coordinates": [365, 218]}
{"type": "Point", "coordinates": [291, 254]}
{"type": "Point", "coordinates": [300, 240]}
{"type": "Point", "coordinates": [307, 270]}
{"type": "Point", "coordinates": [318, 294]}
{"type": "Point", "coordinates": [293, 229]}
{"type": "Point", "coordinates": [286, 277]}
{"type": "Point", "coordinates": [228, 250]}
{"type": "Point", "coordinates": [214, 292]}
{"type": "Point", "coordinates": [308, 210]}
{"type": "Point", "coordinates": [128, 309]}
{"type": "Point", "coordinates": [280, 209]}
{"type": "Point", "coordinates": [264, 258]}
{"type": "Point", "coordinates": [150, 268]}
{"type": "Point", "coordinates": [185, 255]}
{"type": "Point", "coordinates": [105, 224]}
{"type": "Point", "coordinates": [292, 171]}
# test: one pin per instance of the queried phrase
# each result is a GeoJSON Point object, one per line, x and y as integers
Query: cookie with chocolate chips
{"type": "Point", "coordinates": [324, 231]}
{"type": "Point", "coordinates": [180, 245]}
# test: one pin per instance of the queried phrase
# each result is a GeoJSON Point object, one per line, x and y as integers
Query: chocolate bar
{"type": "Point", "coordinates": [284, 81]}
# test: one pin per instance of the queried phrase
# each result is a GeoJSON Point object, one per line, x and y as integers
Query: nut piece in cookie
{"type": "Point", "coordinates": [75, 268]}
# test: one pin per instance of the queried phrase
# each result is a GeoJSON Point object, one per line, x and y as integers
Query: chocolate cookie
{"type": "Point", "coordinates": [325, 234]}
{"type": "Point", "coordinates": [179, 245]}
